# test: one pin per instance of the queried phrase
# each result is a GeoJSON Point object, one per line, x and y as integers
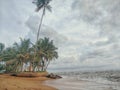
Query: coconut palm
{"type": "Point", "coordinates": [18, 55]}
{"type": "Point", "coordinates": [46, 51]}
{"type": "Point", "coordinates": [9, 56]}
{"type": "Point", "coordinates": [24, 52]}
{"type": "Point", "coordinates": [41, 4]}
{"type": "Point", "coordinates": [2, 46]}
{"type": "Point", "coordinates": [51, 52]}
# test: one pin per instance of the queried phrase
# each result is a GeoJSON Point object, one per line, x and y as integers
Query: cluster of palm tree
{"type": "Point", "coordinates": [26, 56]}
{"type": "Point", "coordinates": [23, 57]}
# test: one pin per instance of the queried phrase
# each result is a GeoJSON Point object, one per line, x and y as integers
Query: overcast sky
{"type": "Point", "coordinates": [87, 32]}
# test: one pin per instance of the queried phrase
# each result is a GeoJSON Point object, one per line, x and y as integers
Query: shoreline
{"type": "Point", "coordinates": [70, 83]}
{"type": "Point", "coordinates": [104, 80]}
{"type": "Point", "coordinates": [8, 82]}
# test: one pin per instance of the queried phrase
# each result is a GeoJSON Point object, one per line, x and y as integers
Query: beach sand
{"type": "Point", "coordinates": [8, 82]}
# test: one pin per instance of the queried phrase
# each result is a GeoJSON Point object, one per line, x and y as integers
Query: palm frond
{"type": "Point", "coordinates": [42, 3]}
{"type": "Point", "coordinates": [49, 8]}
{"type": "Point", "coordinates": [10, 61]}
{"type": "Point", "coordinates": [38, 8]}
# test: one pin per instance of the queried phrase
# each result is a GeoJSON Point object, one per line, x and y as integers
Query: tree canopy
{"type": "Point", "coordinates": [22, 56]}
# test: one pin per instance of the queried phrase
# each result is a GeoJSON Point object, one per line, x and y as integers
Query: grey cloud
{"type": "Point", "coordinates": [86, 32]}
{"type": "Point", "coordinates": [46, 31]}
{"type": "Point", "coordinates": [97, 12]}
{"type": "Point", "coordinates": [12, 17]}
{"type": "Point", "coordinates": [104, 14]}
{"type": "Point", "coordinates": [90, 33]}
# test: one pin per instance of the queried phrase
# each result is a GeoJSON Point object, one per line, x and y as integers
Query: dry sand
{"type": "Point", "coordinates": [8, 82]}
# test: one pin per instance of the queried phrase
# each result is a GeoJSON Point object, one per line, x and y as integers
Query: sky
{"type": "Point", "coordinates": [86, 32]}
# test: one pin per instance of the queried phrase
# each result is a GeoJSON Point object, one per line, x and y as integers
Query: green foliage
{"type": "Point", "coordinates": [42, 4]}
{"type": "Point", "coordinates": [23, 54]}
{"type": "Point", "coordinates": [1, 67]}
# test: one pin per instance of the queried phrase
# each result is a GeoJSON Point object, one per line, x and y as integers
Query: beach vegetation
{"type": "Point", "coordinates": [21, 57]}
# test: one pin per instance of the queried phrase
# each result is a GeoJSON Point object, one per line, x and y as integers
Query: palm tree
{"type": "Point", "coordinates": [2, 46]}
{"type": "Point", "coordinates": [20, 54]}
{"type": "Point", "coordinates": [51, 52]}
{"type": "Point", "coordinates": [9, 57]}
{"type": "Point", "coordinates": [46, 51]}
{"type": "Point", "coordinates": [24, 51]}
{"type": "Point", "coordinates": [17, 55]}
{"type": "Point", "coordinates": [42, 4]}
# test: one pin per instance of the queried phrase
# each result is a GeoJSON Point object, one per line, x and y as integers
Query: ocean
{"type": "Point", "coordinates": [93, 80]}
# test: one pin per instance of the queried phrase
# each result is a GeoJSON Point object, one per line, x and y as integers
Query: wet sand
{"type": "Point", "coordinates": [71, 84]}
{"type": "Point", "coordinates": [8, 82]}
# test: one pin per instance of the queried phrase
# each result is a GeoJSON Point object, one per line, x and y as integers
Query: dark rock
{"type": "Point", "coordinates": [53, 76]}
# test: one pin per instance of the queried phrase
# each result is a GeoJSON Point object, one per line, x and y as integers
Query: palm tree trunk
{"type": "Point", "coordinates": [40, 24]}
{"type": "Point", "coordinates": [30, 67]}
{"type": "Point", "coordinates": [47, 65]}
{"type": "Point", "coordinates": [43, 65]}
{"type": "Point", "coordinates": [39, 28]}
{"type": "Point", "coordinates": [21, 66]}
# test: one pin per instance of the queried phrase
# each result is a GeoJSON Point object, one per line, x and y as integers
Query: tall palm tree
{"type": "Point", "coordinates": [42, 4]}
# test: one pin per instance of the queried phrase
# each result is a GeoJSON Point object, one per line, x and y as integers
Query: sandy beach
{"type": "Point", "coordinates": [104, 80]}
{"type": "Point", "coordinates": [8, 82]}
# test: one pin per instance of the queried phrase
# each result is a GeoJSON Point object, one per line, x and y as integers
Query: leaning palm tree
{"type": "Point", "coordinates": [46, 51]}
{"type": "Point", "coordinates": [51, 52]}
{"type": "Point", "coordinates": [42, 4]}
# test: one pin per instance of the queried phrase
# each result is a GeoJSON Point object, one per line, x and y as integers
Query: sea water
{"type": "Point", "coordinates": [85, 81]}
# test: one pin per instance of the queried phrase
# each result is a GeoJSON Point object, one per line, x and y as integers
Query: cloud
{"type": "Point", "coordinates": [45, 31]}
{"type": "Point", "coordinates": [12, 17]}
{"type": "Point", "coordinates": [94, 33]}
{"type": "Point", "coordinates": [86, 32]}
